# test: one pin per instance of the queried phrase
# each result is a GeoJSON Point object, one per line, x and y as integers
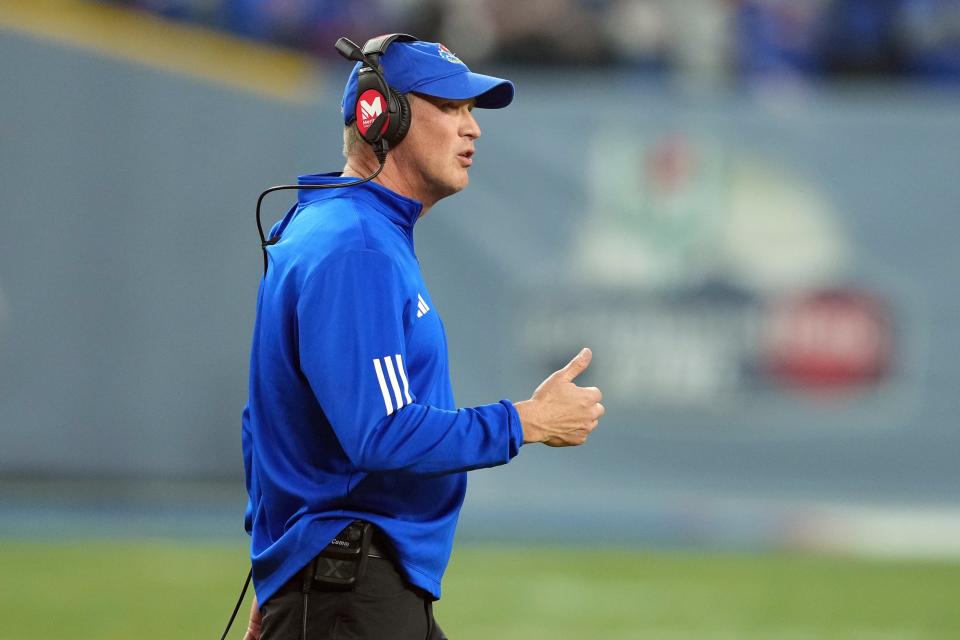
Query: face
{"type": "Point", "coordinates": [438, 150]}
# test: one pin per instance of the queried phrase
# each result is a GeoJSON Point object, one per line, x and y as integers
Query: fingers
{"type": "Point", "coordinates": [576, 366]}
{"type": "Point", "coordinates": [597, 411]}
{"type": "Point", "coordinates": [569, 440]}
{"type": "Point", "coordinates": [578, 436]}
{"type": "Point", "coordinates": [593, 395]}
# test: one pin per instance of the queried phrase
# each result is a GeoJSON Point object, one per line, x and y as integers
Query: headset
{"type": "Point", "coordinates": [382, 115]}
{"type": "Point", "coordinates": [381, 128]}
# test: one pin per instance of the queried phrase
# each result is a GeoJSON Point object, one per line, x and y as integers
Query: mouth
{"type": "Point", "coordinates": [466, 158]}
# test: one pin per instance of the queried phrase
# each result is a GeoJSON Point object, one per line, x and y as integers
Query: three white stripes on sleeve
{"type": "Point", "coordinates": [394, 367]}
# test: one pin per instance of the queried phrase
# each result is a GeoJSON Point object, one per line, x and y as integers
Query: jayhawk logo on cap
{"type": "Point", "coordinates": [448, 55]}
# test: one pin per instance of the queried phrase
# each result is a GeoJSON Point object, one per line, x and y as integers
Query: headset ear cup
{"type": "Point", "coordinates": [403, 119]}
{"type": "Point", "coordinates": [374, 92]}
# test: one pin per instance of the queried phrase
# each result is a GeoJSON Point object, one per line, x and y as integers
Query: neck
{"type": "Point", "coordinates": [392, 177]}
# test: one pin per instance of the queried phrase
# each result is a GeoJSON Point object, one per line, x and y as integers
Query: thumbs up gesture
{"type": "Point", "coordinates": [561, 414]}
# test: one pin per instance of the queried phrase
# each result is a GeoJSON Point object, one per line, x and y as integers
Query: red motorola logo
{"type": "Point", "coordinates": [371, 104]}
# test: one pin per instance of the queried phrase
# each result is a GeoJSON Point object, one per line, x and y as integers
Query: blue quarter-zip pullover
{"type": "Point", "coordinates": [350, 412]}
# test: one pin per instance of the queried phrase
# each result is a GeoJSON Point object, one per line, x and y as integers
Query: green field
{"type": "Point", "coordinates": [143, 590]}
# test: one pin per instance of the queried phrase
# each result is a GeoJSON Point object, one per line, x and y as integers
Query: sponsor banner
{"type": "Point", "coordinates": [713, 345]}
{"type": "Point", "coordinates": [707, 275]}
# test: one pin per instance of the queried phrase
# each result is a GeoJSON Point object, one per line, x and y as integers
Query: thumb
{"type": "Point", "coordinates": [576, 366]}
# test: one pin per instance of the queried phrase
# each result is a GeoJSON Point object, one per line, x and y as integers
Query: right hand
{"type": "Point", "coordinates": [561, 414]}
{"type": "Point", "coordinates": [255, 623]}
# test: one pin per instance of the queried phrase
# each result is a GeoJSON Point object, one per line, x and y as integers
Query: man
{"type": "Point", "coordinates": [351, 417]}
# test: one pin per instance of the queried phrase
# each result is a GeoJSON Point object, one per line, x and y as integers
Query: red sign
{"type": "Point", "coordinates": [830, 339]}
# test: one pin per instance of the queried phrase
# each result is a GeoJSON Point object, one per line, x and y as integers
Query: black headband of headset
{"type": "Point", "coordinates": [378, 45]}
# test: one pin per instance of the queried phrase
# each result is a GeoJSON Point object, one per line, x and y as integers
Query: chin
{"type": "Point", "coordinates": [451, 183]}
{"type": "Point", "coordinates": [456, 186]}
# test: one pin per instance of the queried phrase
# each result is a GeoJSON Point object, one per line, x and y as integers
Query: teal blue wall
{"type": "Point", "coordinates": [664, 228]}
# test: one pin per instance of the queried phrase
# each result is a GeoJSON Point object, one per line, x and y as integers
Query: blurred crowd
{"type": "Point", "coordinates": [717, 40]}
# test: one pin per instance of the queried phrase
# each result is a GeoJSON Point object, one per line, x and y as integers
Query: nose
{"type": "Point", "coordinates": [469, 127]}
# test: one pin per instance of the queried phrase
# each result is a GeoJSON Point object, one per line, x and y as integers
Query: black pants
{"type": "Point", "coordinates": [382, 607]}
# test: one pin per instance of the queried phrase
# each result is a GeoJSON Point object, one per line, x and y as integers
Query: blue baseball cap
{"type": "Point", "coordinates": [431, 69]}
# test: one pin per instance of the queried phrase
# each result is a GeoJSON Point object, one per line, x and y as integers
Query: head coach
{"type": "Point", "coordinates": [355, 454]}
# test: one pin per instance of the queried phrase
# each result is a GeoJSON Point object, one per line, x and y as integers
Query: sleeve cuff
{"type": "Point", "coordinates": [515, 427]}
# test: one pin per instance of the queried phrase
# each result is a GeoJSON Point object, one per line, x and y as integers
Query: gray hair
{"type": "Point", "coordinates": [352, 140]}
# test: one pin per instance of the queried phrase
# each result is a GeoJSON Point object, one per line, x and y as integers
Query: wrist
{"type": "Point", "coordinates": [527, 413]}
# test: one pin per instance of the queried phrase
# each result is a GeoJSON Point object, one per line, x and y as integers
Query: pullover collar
{"type": "Point", "coordinates": [401, 210]}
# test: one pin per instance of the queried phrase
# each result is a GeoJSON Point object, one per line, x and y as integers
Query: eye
{"type": "Point", "coordinates": [456, 106]}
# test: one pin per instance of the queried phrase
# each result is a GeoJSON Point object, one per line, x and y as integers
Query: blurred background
{"type": "Point", "coordinates": [748, 209]}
